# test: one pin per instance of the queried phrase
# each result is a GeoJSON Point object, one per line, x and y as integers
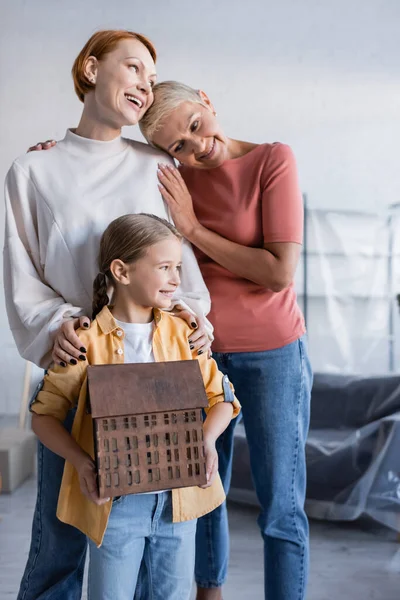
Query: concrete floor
{"type": "Point", "coordinates": [358, 561]}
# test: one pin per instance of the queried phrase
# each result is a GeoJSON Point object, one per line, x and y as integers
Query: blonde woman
{"type": "Point", "coordinates": [240, 205]}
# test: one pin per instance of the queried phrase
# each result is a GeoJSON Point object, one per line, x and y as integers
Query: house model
{"type": "Point", "coordinates": [148, 426]}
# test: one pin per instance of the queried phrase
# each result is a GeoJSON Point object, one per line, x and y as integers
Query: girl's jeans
{"type": "Point", "coordinates": [141, 527]}
{"type": "Point", "coordinates": [55, 566]}
{"type": "Point", "coordinates": [274, 388]}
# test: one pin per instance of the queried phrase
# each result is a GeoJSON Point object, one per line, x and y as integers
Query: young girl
{"type": "Point", "coordinates": [140, 257]}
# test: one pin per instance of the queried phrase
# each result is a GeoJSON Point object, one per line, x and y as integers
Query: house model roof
{"type": "Point", "coordinates": [138, 388]}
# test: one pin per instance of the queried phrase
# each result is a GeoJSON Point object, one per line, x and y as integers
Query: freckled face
{"type": "Point", "coordinates": [192, 135]}
{"type": "Point", "coordinates": [124, 82]}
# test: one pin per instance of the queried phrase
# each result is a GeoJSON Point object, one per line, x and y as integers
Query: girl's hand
{"type": "Point", "coordinates": [88, 481]}
{"type": "Point", "coordinates": [211, 462]}
{"type": "Point", "coordinates": [42, 146]}
{"type": "Point", "coordinates": [68, 347]}
{"type": "Point", "coordinates": [175, 193]}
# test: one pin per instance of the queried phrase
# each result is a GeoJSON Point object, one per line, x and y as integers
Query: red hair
{"type": "Point", "coordinates": [101, 43]}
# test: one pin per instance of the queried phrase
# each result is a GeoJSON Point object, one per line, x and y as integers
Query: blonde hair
{"type": "Point", "coordinates": [168, 95]}
{"type": "Point", "coordinates": [126, 238]}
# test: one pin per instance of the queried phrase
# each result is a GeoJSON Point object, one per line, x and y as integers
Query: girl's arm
{"type": "Point", "coordinates": [218, 418]}
{"type": "Point", "coordinates": [54, 436]}
{"type": "Point", "coordinates": [272, 266]}
{"type": "Point", "coordinates": [219, 412]}
{"type": "Point", "coordinates": [60, 392]}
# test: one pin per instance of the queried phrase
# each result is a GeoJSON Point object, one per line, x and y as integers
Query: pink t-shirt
{"type": "Point", "coordinates": [251, 200]}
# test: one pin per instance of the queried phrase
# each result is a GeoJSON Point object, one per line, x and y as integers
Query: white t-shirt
{"type": "Point", "coordinates": [138, 341]}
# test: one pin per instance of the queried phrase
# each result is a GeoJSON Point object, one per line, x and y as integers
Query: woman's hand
{"type": "Point", "coordinates": [42, 146]}
{"type": "Point", "coordinates": [175, 193]}
{"type": "Point", "coordinates": [88, 481]}
{"type": "Point", "coordinates": [211, 462]}
{"type": "Point", "coordinates": [199, 339]}
{"type": "Point", "coordinates": [68, 347]}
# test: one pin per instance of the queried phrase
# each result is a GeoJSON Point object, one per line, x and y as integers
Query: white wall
{"type": "Point", "coordinates": [321, 76]}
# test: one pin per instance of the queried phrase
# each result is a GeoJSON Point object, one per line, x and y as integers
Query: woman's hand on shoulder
{"type": "Point", "coordinates": [68, 348]}
{"type": "Point", "coordinates": [199, 339]}
{"type": "Point", "coordinates": [42, 146]}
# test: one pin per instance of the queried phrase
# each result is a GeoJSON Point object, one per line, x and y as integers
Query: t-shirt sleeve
{"type": "Point", "coordinates": [282, 203]}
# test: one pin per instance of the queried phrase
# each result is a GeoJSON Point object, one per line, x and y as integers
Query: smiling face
{"type": "Point", "coordinates": [192, 135]}
{"type": "Point", "coordinates": [123, 84]}
{"type": "Point", "coordinates": [152, 280]}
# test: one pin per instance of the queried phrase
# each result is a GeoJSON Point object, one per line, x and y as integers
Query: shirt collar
{"type": "Point", "coordinates": [82, 146]}
{"type": "Point", "coordinates": [108, 324]}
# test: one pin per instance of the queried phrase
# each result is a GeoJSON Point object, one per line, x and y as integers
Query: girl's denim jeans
{"type": "Point", "coordinates": [141, 528]}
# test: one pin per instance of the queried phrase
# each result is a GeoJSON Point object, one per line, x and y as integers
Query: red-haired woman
{"type": "Point", "coordinates": [57, 205]}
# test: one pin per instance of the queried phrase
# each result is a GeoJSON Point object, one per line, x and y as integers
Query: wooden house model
{"type": "Point", "coordinates": [148, 426]}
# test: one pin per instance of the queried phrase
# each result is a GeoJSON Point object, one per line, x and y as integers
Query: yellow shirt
{"type": "Point", "coordinates": [66, 387]}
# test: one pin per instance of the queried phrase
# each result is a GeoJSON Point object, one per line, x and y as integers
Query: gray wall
{"type": "Point", "coordinates": [321, 76]}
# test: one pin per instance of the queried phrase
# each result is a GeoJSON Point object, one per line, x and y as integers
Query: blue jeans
{"type": "Point", "coordinates": [141, 527]}
{"type": "Point", "coordinates": [274, 388]}
{"type": "Point", "coordinates": [56, 561]}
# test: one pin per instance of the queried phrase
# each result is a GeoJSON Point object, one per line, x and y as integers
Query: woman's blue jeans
{"type": "Point", "coordinates": [56, 561]}
{"type": "Point", "coordinates": [274, 388]}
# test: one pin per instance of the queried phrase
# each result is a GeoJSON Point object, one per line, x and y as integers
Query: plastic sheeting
{"type": "Point", "coordinates": [352, 451]}
{"type": "Point", "coordinates": [347, 283]}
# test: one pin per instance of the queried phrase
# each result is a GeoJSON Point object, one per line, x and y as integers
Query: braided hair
{"type": "Point", "coordinates": [126, 238]}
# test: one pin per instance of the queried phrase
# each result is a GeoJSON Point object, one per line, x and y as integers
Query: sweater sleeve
{"type": "Point", "coordinates": [35, 311]}
{"type": "Point", "coordinates": [193, 290]}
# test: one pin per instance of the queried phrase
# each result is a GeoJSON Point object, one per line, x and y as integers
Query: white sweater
{"type": "Point", "coordinates": [58, 203]}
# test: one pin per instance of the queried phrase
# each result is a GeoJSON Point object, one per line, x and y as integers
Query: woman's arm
{"type": "Point", "coordinates": [272, 266]}
{"type": "Point", "coordinates": [35, 311]}
{"type": "Point", "coordinates": [193, 298]}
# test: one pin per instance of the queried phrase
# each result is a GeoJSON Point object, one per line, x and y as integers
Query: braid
{"type": "Point", "coordinates": [100, 297]}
